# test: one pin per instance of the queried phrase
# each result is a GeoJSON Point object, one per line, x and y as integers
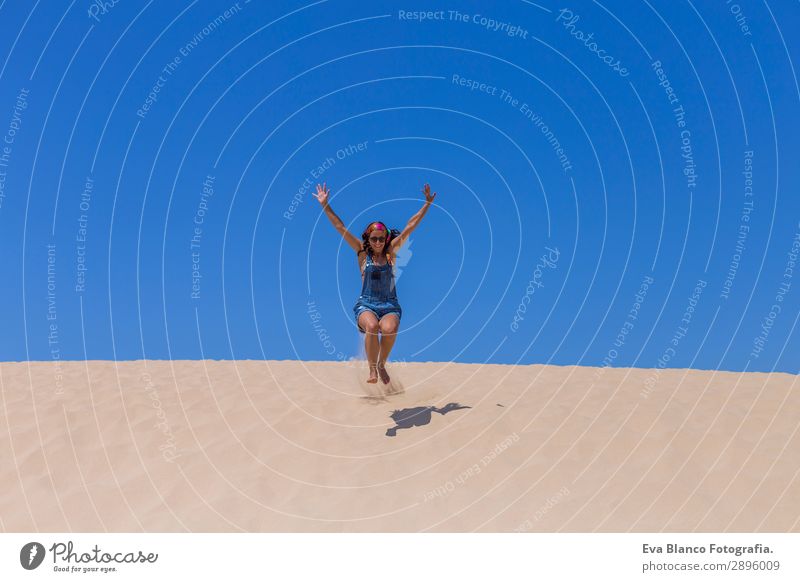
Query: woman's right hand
{"type": "Point", "coordinates": [322, 194]}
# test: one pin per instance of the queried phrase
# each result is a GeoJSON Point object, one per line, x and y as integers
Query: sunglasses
{"type": "Point", "coordinates": [377, 238]}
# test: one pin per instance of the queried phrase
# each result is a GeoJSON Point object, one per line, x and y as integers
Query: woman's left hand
{"type": "Point", "coordinates": [427, 191]}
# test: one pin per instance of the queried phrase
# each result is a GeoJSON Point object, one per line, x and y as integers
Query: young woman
{"type": "Point", "coordinates": [377, 309]}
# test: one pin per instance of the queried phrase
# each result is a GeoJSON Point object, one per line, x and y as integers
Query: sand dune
{"type": "Point", "coordinates": [163, 446]}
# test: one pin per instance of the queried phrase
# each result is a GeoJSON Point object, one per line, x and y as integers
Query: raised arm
{"type": "Point", "coordinates": [414, 220]}
{"type": "Point", "coordinates": [322, 196]}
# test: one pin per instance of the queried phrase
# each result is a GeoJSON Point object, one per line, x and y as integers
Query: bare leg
{"type": "Point", "coordinates": [369, 322]}
{"type": "Point", "coordinates": [388, 327]}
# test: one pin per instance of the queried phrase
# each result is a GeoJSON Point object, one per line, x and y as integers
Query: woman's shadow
{"type": "Point", "coordinates": [418, 416]}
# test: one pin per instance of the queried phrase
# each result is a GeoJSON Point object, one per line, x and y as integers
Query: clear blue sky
{"type": "Point", "coordinates": [640, 141]}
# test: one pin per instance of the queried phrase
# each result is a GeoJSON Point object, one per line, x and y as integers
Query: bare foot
{"type": "Point", "coordinates": [373, 375]}
{"type": "Point", "coordinates": [384, 374]}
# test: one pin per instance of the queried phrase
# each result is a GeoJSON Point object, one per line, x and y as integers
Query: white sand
{"type": "Point", "coordinates": [294, 446]}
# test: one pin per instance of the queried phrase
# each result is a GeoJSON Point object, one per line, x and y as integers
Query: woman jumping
{"type": "Point", "coordinates": [377, 308]}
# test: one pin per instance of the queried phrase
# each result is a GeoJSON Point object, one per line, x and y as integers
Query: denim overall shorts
{"type": "Point", "coordinates": [378, 293]}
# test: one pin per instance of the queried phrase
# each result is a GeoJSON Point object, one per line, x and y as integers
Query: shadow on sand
{"type": "Point", "coordinates": [418, 416]}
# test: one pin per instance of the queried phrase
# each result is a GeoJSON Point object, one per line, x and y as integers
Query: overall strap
{"type": "Point", "coordinates": [366, 263]}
